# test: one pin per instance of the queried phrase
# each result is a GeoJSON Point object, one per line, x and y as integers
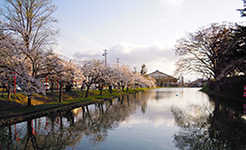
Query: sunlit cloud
{"type": "Point", "coordinates": [156, 56]}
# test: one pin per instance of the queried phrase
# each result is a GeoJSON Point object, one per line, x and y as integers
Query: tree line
{"type": "Point", "coordinates": [27, 40]}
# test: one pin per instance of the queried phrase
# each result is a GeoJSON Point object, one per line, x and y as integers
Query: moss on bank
{"type": "Point", "coordinates": [45, 105]}
{"type": "Point", "coordinates": [231, 87]}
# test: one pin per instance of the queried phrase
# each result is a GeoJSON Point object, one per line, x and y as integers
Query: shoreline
{"type": "Point", "coordinates": [211, 93]}
{"type": "Point", "coordinates": [15, 115]}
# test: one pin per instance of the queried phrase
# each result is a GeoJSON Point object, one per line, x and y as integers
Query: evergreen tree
{"type": "Point", "coordinates": [143, 70]}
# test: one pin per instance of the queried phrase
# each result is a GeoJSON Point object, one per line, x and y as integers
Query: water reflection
{"type": "Point", "coordinates": [59, 130]}
{"type": "Point", "coordinates": [221, 125]}
{"type": "Point", "coordinates": [169, 118]}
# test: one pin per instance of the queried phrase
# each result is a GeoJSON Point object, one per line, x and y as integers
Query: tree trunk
{"type": "Point", "coordinates": [88, 112]}
{"type": "Point", "coordinates": [29, 99]}
{"type": "Point", "coordinates": [119, 86]}
{"type": "Point", "coordinates": [122, 88]}
{"type": "Point", "coordinates": [110, 88]}
{"type": "Point", "coordinates": [60, 93]}
{"type": "Point", "coordinates": [82, 86]}
{"type": "Point", "coordinates": [9, 93]}
{"type": "Point", "coordinates": [68, 87]}
{"type": "Point", "coordinates": [101, 88]}
{"type": "Point", "coordinates": [87, 91]}
{"type": "Point", "coordinates": [217, 86]}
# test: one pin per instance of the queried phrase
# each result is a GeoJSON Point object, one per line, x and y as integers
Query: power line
{"type": "Point", "coordinates": [76, 42]}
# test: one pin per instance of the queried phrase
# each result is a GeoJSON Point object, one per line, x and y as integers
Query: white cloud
{"type": "Point", "coordinates": [156, 57]}
{"type": "Point", "coordinates": [159, 111]}
{"type": "Point", "coordinates": [173, 3]}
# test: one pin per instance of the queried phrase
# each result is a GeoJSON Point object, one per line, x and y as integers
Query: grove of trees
{"type": "Point", "coordinates": [98, 74]}
{"type": "Point", "coordinates": [27, 39]}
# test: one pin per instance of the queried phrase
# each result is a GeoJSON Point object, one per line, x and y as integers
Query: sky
{"type": "Point", "coordinates": [135, 31]}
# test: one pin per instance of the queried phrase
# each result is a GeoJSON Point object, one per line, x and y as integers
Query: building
{"type": "Point", "coordinates": [200, 82]}
{"type": "Point", "coordinates": [163, 79]}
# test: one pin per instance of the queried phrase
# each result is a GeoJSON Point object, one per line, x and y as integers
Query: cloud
{"type": "Point", "coordinates": [156, 121]}
{"type": "Point", "coordinates": [171, 9]}
{"type": "Point", "coordinates": [90, 54]}
{"type": "Point", "coordinates": [174, 4]}
{"type": "Point", "coordinates": [156, 57]}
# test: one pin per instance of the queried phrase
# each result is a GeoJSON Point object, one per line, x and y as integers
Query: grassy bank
{"type": "Point", "coordinates": [232, 87]}
{"type": "Point", "coordinates": [16, 109]}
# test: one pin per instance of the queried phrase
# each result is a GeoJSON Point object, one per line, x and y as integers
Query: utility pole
{"type": "Point", "coordinates": [118, 60]}
{"type": "Point", "coordinates": [105, 55]}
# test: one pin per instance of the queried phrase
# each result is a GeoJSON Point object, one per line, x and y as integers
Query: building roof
{"type": "Point", "coordinates": [159, 74]}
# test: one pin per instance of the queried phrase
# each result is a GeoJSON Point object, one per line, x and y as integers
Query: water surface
{"type": "Point", "coordinates": [165, 119]}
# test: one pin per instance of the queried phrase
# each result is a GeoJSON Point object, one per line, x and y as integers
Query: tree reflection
{"type": "Point", "coordinates": [218, 126]}
{"type": "Point", "coordinates": [68, 128]}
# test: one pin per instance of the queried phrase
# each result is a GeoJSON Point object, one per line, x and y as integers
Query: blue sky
{"type": "Point", "coordinates": [136, 31]}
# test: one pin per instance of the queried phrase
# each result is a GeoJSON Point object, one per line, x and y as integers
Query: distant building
{"type": "Point", "coordinates": [200, 82]}
{"type": "Point", "coordinates": [163, 79]}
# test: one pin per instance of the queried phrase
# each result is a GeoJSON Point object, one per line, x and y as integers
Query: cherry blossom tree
{"type": "Point", "coordinates": [93, 71]}
{"type": "Point", "coordinates": [7, 57]}
{"type": "Point", "coordinates": [125, 77]}
{"type": "Point", "coordinates": [67, 72]}
{"type": "Point", "coordinates": [30, 23]}
{"type": "Point", "coordinates": [13, 66]}
{"type": "Point", "coordinates": [145, 81]}
{"type": "Point", "coordinates": [111, 77]}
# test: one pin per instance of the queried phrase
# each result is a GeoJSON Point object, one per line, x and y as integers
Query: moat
{"type": "Point", "coordinates": [166, 118]}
